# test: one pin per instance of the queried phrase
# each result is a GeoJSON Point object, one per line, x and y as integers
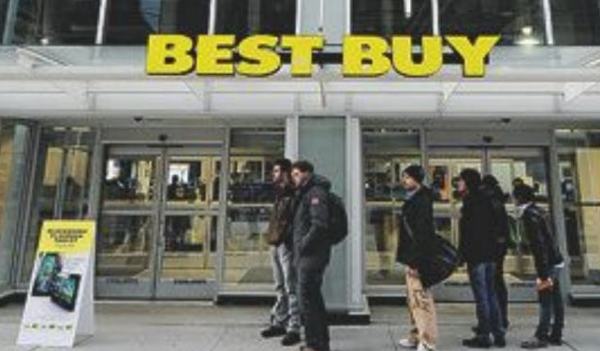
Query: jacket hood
{"type": "Point", "coordinates": [320, 181]}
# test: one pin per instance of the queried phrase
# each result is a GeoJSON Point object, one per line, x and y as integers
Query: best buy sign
{"type": "Point", "coordinates": [262, 55]}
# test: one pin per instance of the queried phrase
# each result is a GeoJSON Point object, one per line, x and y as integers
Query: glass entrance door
{"type": "Point", "coordinates": [157, 235]}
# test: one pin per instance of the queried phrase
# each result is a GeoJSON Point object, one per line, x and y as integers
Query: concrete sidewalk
{"type": "Point", "coordinates": [200, 327]}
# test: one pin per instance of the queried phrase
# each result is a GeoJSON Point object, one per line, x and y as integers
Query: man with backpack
{"type": "Point", "coordinates": [416, 235]}
{"type": "Point", "coordinates": [285, 317]}
{"type": "Point", "coordinates": [549, 263]}
{"type": "Point", "coordinates": [312, 251]}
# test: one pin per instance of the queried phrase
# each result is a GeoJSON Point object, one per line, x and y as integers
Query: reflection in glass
{"type": "Point", "coordinates": [193, 180]}
{"type": "Point", "coordinates": [579, 164]}
{"type": "Point", "coordinates": [576, 22]}
{"type": "Point", "coordinates": [62, 181]}
{"type": "Point", "coordinates": [518, 22]}
{"type": "Point", "coordinates": [390, 17]}
{"type": "Point", "coordinates": [129, 180]}
{"type": "Point", "coordinates": [253, 152]}
{"type": "Point", "coordinates": [124, 244]}
{"type": "Point", "coordinates": [56, 22]}
{"type": "Point", "coordinates": [387, 152]}
{"type": "Point", "coordinates": [131, 21]}
{"type": "Point", "coordinates": [246, 249]}
{"type": "Point", "coordinates": [190, 243]}
{"type": "Point", "coordinates": [246, 17]}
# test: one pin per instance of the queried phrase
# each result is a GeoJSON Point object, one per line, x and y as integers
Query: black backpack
{"type": "Point", "coordinates": [338, 219]}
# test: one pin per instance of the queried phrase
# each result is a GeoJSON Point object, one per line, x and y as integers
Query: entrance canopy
{"type": "Point", "coordinates": [546, 83]}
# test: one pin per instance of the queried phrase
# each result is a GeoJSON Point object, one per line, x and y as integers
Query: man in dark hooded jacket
{"type": "Point", "coordinates": [312, 251]}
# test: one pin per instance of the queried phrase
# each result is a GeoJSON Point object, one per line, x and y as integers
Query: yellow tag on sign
{"type": "Point", "coordinates": [67, 236]}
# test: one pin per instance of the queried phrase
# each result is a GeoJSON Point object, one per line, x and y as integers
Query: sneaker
{"type": "Point", "coordinates": [272, 331]}
{"type": "Point", "coordinates": [478, 342]}
{"type": "Point", "coordinates": [290, 339]}
{"type": "Point", "coordinates": [555, 340]}
{"type": "Point", "coordinates": [408, 343]}
{"type": "Point", "coordinates": [534, 344]}
{"type": "Point", "coordinates": [423, 347]}
{"type": "Point", "coordinates": [500, 341]}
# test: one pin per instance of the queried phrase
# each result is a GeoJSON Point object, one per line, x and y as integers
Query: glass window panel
{"type": "Point", "coordinates": [129, 181]}
{"type": "Point", "coordinates": [190, 247]}
{"type": "Point", "coordinates": [246, 17]}
{"type": "Point", "coordinates": [576, 22]}
{"type": "Point", "coordinates": [387, 151]}
{"type": "Point", "coordinates": [56, 22]}
{"type": "Point", "coordinates": [579, 164]}
{"type": "Point", "coordinates": [14, 139]}
{"type": "Point", "coordinates": [3, 9]}
{"type": "Point", "coordinates": [252, 154]}
{"type": "Point", "coordinates": [131, 21]}
{"type": "Point", "coordinates": [124, 246]}
{"type": "Point", "coordinates": [518, 21]}
{"type": "Point", "coordinates": [390, 17]}
{"type": "Point", "coordinates": [61, 188]}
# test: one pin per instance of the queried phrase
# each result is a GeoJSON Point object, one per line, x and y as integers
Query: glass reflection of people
{"type": "Point", "coordinates": [174, 190]}
{"type": "Point", "coordinates": [120, 187]}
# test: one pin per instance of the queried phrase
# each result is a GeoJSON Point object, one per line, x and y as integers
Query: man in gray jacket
{"type": "Point", "coordinates": [312, 251]}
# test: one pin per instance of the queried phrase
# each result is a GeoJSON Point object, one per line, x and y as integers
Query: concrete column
{"type": "Point", "coordinates": [327, 142]}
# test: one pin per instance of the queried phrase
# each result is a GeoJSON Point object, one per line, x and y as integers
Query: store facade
{"type": "Point", "coordinates": [176, 169]}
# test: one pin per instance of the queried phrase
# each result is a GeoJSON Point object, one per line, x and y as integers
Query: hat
{"type": "Point", "coordinates": [416, 172]}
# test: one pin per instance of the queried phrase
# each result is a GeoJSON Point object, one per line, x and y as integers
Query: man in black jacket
{"type": "Point", "coordinates": [478, 248]}
{"type": "Point", "coordinates": [416, 233]}
{"type": "Point", "coordinates": [312, 251]}
{"type": "Point", "coordinates": [285, 317]}
{"type": "Point", "coordinates": [491, 188]}
{"type": "Point", "coordinates": [548, 264]}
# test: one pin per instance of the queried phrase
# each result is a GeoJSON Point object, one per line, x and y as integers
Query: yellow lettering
{"type": "Point", "coordinates": [169, 54]}
{"type": "Point", "coordinates": [432, 49]}
{"type": "Point", "coordinates": [473, 54]}
{"type": "Point", "coordinates": [259, 56]}
{"type": "Point", "coordinates": [302, 48]}
{"type": "Point", "coordinates": [364, 56]}
{"type": "Point", "coordinates": [215, 55]}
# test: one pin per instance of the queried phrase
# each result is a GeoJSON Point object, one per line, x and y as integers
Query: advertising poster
{"type": "Point", "coordinates": [60, 305]}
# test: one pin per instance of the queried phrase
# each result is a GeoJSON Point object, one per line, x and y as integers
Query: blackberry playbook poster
{"type": "Point", "coordinates": [61, 267]}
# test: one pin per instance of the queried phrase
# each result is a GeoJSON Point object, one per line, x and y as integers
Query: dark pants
{"type": "Point", "coordinates": [312, 307]}
{"type": "Point", "coordinates": [501, 291]}
{"type": "Point", "coordinates": [482, 277]}
{"type": "Point", "coordinates": [552, 308]}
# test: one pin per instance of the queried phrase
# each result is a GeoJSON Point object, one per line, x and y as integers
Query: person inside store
{"type": "Point", "coordinates": [285, 315]}
{"type": "Point", "coordinates": [549, 264]}
{"type": "Point", "coordinates": [491, 188]}
{"type": "Point", "coordinates": [416, 231]}
{"type": "Point", "coordinates": [478, 248]}
{"type": "Point", "coordinates": [312, 252]}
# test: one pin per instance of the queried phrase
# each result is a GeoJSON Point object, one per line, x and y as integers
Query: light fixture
{"type": "Point", "coordinates": [408, 9]}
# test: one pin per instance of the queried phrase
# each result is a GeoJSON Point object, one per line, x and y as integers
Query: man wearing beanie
{"type": "Point", "coordinates": [416, 231]}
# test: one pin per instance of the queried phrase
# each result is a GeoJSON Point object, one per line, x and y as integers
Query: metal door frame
{"type": "Point", "coordinates": [158, 211]}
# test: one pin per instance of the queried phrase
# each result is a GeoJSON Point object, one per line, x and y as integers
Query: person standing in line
{"type": "Point", "coordinates": [549, 264]}
{"type": "Point", "coordinates": [491, 187]}
{"type": "Point", "coordinates": [478, 248]}
{"type": "Point", "coordinates": [312, 252]}
{"type": "Point", "coordinates": [285, 316]}
{"type": "Point", "coordinates": [416, 231]}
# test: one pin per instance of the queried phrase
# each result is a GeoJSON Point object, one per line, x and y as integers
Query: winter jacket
{"type": "Point", "coordinates": [501, 227]}
{"type": "Point", "coordinates": [542, 242]}
{"type": "Point", "coordinates": [416, 228]}
{"type": "Point", "coordinates": [478, 241]}
{"type": "Point", "coordinates": [311, 221]}
{"type": "Point", "coordinates": [280, 222]}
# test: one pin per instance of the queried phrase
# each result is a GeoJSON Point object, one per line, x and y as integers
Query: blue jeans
{"type": "Point", "coordinates": [551, 308]}
{"type": "Point", "coordinates": [489, 317]}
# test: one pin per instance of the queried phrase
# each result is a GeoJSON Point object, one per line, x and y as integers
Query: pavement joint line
{"type": "Point", "coordinates": [391, 335]}
{"type": "Point", "coordinates": [218, 341]}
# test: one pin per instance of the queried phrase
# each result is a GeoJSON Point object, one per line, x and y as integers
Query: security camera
{"type": "Point", "coordinates": [138, 119]}
{"type": "Point", "coordinates": [162, 138]}
{"type": "Point", "coordinates": [488, 139]}
{"type": "Point", "coordinates": [506, 120]}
